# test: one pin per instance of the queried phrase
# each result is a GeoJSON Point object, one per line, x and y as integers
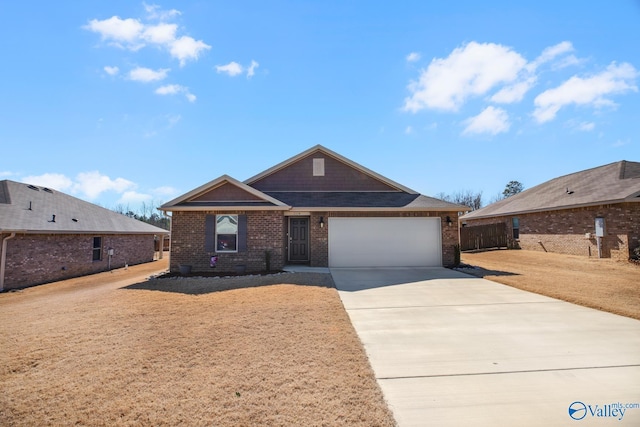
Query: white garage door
{"type": "Point", "coordinates": [385, 242]}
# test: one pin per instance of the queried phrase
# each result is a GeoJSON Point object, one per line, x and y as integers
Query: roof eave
{"type": "Point", "coordinates": [223, 208]}
{"type": "Point", "coordinates": [85, 232]}
{"type": "Point", "coordinates": [557, 208]}
{"type": "Point", "coordinates": [372, 209]}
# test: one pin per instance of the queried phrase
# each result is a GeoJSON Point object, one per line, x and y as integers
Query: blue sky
{"type": "Point", "coordinates": [124, 102]}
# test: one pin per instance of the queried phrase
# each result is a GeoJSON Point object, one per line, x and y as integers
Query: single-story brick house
{"type": "Point", "coordinates": [595, 212]}
{"type": "Point", "coordinates": [47, 235]}
{"type": "Point", "coordinates": [316, 208]}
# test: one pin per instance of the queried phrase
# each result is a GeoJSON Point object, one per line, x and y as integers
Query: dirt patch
{"type": "Point", "coordinates": [604, 284]}
{"type": "Point", "coordinates": [99, 351]}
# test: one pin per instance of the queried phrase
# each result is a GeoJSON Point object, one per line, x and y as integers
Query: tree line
{"type": "Point", "coordinates": [146, 212]}
{"type": "Point", "coordinates": [474, 200]}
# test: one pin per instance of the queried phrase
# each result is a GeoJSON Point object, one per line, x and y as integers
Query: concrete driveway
{"type": "Point", "coordinates": [449, 349]}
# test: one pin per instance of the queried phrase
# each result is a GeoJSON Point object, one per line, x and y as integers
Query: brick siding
{"type": "Point", "coordinates": [33, 259]}
{"type": "Point", "coordinates": [266, 231]}
{"type": "Point", "coordinates": [563, 231]}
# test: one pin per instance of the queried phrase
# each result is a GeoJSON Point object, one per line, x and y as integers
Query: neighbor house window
{"type": "Point", "coordinates": [516, 227]}
{"type": "Point", "coordinates": [226, 233]}
{"type": "Point", "coordinates": [97, 248]}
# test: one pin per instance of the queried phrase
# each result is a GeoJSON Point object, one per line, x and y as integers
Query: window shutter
{"type": "Point", "coordinates": [242, 233]}
{"type": "Point", "coordinates": [210, 233]}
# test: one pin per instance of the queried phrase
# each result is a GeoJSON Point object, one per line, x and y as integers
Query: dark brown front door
{"type": "Point", "coordinates": [298, 239]}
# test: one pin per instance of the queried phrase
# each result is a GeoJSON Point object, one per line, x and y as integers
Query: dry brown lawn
{"type": "Point", "coordinates": [604, 284]}
{"type": "Point", "coordinates": [90, 351]}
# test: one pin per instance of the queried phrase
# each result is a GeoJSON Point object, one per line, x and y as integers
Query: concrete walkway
{"type": "Point", "coordinates": [449, 349]}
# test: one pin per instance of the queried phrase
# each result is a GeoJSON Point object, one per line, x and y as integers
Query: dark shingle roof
{"type": "Point", "coordinates": [30, 209]}
{"type": "Point", "coordinates": [365, 199]}
{"type": "Point", "coordinates": [612, 183]}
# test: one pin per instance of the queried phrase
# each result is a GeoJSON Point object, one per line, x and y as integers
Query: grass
{"type": "Point", "coordinates": [91, 352]}
{"type": "Point", "coordinates": [603, 284]}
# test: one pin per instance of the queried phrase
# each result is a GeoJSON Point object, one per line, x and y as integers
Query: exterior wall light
{"type": "Point", "coordinates": [449, 222]}
{"type": "Point", "coordinates": [321, 222]}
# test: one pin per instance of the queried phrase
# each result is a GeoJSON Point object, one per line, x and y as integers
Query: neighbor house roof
{"type": "Point", "coordinates": [26, 208]}
{"type": "Point", "coordinates": [613, 183]}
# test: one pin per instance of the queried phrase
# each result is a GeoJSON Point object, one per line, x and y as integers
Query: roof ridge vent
{"type": "Point", "coordinates": [48, 190]}
{"type": "Point", "coordinates": [33, 187]}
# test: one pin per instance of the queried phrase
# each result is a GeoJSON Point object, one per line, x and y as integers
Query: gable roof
{"type": "Point", "coordinates": [347, 186]}
{"type": "Point", "coordinates": [319, 149]}
{"type": "Point", "coordinates": [212, 194]}
{"type": "Point", "coordinates": [612, 183]}
{"type": "Point", "coordinates": [30, 209]}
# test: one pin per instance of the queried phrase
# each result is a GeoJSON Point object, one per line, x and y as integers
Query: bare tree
{"type": "Point", "coordinates": [464, 197]}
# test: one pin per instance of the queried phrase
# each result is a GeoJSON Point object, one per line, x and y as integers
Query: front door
{"type": "Point", "coordinates": [298, 239]}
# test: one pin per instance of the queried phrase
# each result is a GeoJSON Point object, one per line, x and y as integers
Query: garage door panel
{"type": "Point", "coordinates": [384, 242]}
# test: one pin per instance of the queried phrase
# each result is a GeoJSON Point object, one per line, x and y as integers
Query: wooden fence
{"type": "Point", "coordinates": [483, 236]}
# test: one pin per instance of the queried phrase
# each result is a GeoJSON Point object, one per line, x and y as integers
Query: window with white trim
{"type": "Point", "coordinates": [226, 233]}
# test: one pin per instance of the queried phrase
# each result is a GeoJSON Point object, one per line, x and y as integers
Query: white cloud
{"type": "Point", "coordinates": [4, 174]}
{"type": "Point", "coordinates": [169, 90]}
{"type": "Point", "coordinates": [146, 75]}
{"type": "Point", "coordinates": [173, 119]}
{"type": "Point", "coordinates": [160, 34]}
{"type": "Point", "coordinates": [133, 197]}
{"type": "Point", "coordinates": [413, 57]}
{"type": "Point", "coordinates": [251, 68]}
{"type": "Point", "coordinates": [232, 69]}
{"type": "Point", "coordinates": [408, 130]}
{"type": "Point", "coordinates": [550, 53]}
{"type": "Point", "coordinates": [133, 34]}
{"type": "Point", "coordinates": [112, 71]}
{"type": "Point", "coordinates": [154, 12]}
{"type": "Point", "coordinates": [491, 120]}
{"type": "Point", "coordinates": [513, 93]}
{"type": "Point", "coordinates": [174, 89]}
{"type": "Point", "coordinates": [621, 143]}
{"type": "Point", "coordinates": [586, 126]}
{"type": "Point", "coordinates": [470, 70]}
{"type": "Point", "coordinates": [164, 191]}
{"type": "Point", "coordinates": [186, 48]}
{"type": "Point", "coordinates": [592, 91]}
{"type": "Point", "coordinates": [55, 181]}
{"type": "Point", "coordinates": [124, 33]}
{"type": "Point", "coordinates": [92, 184]}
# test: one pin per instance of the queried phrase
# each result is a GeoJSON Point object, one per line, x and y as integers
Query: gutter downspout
{"type": "Point", "coordinates": [4, 259]}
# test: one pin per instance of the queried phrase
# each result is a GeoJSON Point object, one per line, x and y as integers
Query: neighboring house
{"type": "Point", "coordinates": [47, 235]}
{"type": "Point", "coordinates": [317, 208]}
{"type": "Point", "coordinates": [595, 212]}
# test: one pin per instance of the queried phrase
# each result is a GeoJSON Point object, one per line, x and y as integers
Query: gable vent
{"type": "Point", "coordinates": [318, 167]}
